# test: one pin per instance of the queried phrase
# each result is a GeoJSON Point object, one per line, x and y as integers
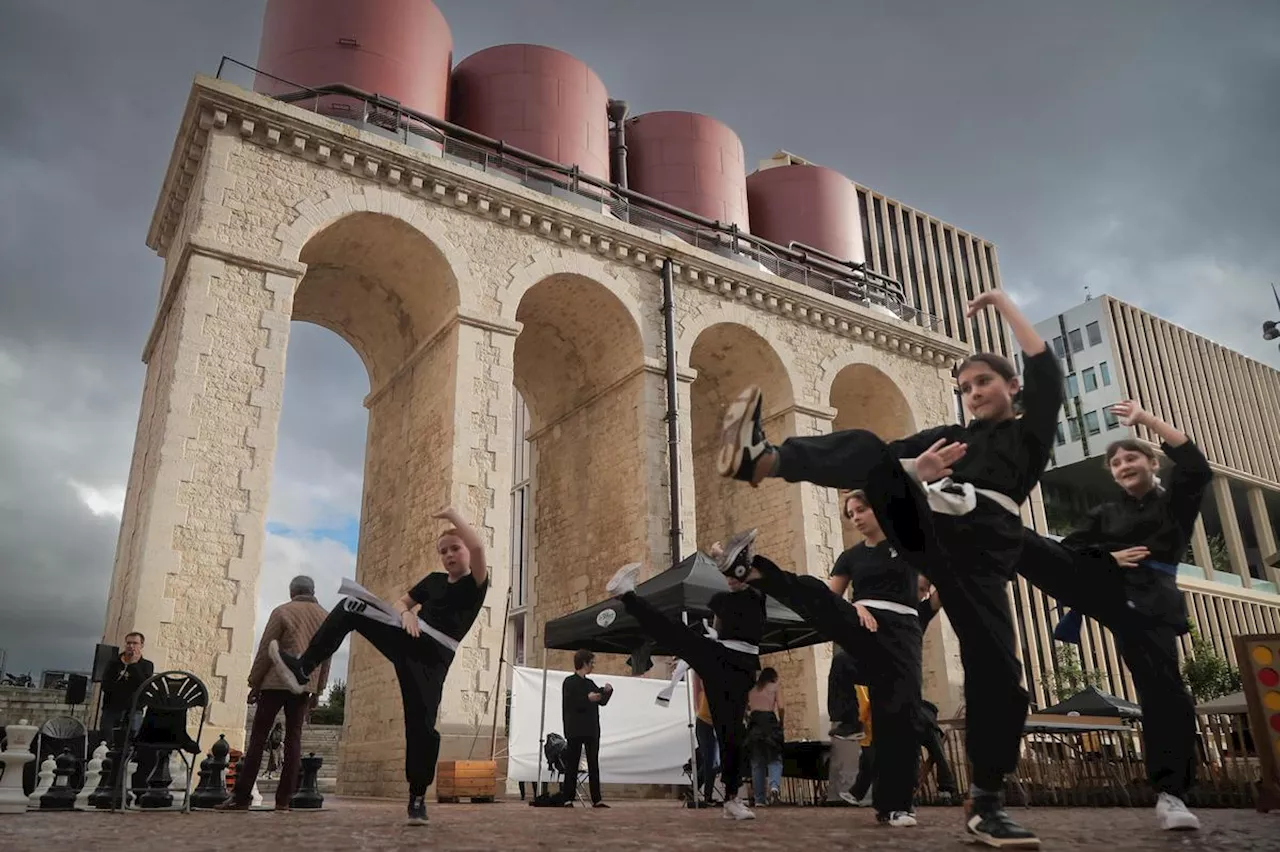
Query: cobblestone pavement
{"type": "Point", "coordinates": [359, 825]}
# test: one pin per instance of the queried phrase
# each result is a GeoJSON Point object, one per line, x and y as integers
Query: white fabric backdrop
{"type": "Point", "coordinates": [640, 741]}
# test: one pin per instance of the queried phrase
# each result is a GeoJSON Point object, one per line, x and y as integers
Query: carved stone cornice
{"type": "Point", "coordinates": [217, 106]}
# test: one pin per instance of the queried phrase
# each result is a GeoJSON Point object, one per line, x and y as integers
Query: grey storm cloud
{"type": "Point", "coordinates": [1128, 147]}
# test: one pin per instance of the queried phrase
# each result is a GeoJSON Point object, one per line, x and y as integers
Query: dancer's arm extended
{"type": "Point", "coordinates": [479, 567]}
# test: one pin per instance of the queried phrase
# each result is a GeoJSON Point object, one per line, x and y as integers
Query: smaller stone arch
{"type": "Point", "coordinates": [860, 385]}
{"type": "Point", "coordinates": [315, 215]}
{"type": "Point", "coordinates": [691, 328]}
{"type": "Point", "coordinates": [557, 264]}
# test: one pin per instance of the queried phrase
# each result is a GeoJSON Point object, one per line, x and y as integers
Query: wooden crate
{"type": "Point", "coordinates": [476, 780]}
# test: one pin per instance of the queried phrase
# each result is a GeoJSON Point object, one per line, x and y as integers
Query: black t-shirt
{"type": "Point", "coordinates": [741, 614]}
{"type": "Point", "coordinates": [581, 714]}
{"type": "Point", "coordinates": [121, 680]}
{"type": "Point", "coordinates": [878, 573]}
{"type": "Point", "coordinates": [450, 608]}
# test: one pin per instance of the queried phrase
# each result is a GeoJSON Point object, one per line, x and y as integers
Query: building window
{"type": "Point", "coordinates": [1073, 386]}
{"type": "Point", "coordinates": [1017, 363]}
{"type": "Point", "coordinates": [1058, 348]}
{"type": "Point", "coordinates": [1109, 417]}
{"type": "Point", "coordinates": [1094, 331]}
{"type": "Point", "coordinates": [1073, 425]}
{"type": "Point", "coordinates": [1076, 339]}
{"type": "Point", "coordinates": [1106, 374]}
{"type": "Point", "coordinates": [1090, 379]}
{"type": "Point", "coordinates": [1062, 439]}
{"type": "Point", "coordinates": [521, 506]}
{"type": "Point", "coordinates": [1091, 422]}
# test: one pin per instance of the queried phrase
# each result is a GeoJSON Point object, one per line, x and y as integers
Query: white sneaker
{"type": "Point", "coordinates": [901, 819]}
{"type": "Point", "coordinates": [734, 809]}
{"type": "Point", "coordinates": [624, 580]}
{"type": "Point", "coordinates": [1173, 814]}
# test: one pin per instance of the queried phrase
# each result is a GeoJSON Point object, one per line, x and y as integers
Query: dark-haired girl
{"type": "Point", "coordinates": [765, 740]}
{"type": "Point", "coordinates": [1121, 569]}
{"type": "Point", "coordinates": [881, 630]}
{"type": "Point", "coordinates": [948, 499]}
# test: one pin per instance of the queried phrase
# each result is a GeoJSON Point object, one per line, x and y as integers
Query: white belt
{"type": "Point", "coordinates": [736, 645]}
{"type": "Point", "coordinates": [949, 497]}
{"type": "Point", "coordinates": [378, 609]}
{"type": "Point", "coordinates": [890, 606]}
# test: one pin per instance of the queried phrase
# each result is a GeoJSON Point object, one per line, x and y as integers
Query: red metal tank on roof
{"type": "Point", "coordinates": [812, 205]}
{"type": "Point", "coordinates": [691, 161]}
{"type": "Point", "coordinates": [398, 48]}
{"type": "Point", "coordinates": [536, 98]}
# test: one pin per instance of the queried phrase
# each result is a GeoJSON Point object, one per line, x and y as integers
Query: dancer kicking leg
{"type": "Point", "coordinates": [953, 514]}
{"type": "Point", "coordinates": [435, 616]}
{"type": "Point", "coordinates": [727, 664]}
{"type": "Point", "coordinates": [880, 630]}
{"type": "Point", "coordinates": [1121, 569]}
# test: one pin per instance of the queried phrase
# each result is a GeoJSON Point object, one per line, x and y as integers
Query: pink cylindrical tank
{"type": "Point", "coordinates": [402, 49]}
{"type": "Point", "coordinates": [691, 161]}
{"type": "Point", "coordinates": [536, 98]}
{"type": "Point", "coordinates": [813, 205]}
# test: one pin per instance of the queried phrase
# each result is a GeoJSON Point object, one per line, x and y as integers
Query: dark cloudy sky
{"type": "Point", "coordinates": [1127, 145]}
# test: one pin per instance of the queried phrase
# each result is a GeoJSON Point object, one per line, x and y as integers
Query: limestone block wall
{"type": "Point", "coordinates": [456, 289]}
{"type": "Point", "coordinates": [37, 706]}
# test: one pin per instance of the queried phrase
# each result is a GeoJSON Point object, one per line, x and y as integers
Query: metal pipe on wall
{"type": "Point", "coordinates": [673, 402]}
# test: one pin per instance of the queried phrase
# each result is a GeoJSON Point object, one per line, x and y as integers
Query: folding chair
{"type": "Point", "coordinates": [167, 698]}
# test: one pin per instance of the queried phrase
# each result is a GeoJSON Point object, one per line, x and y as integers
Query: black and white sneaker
{"type": "Point", "coordinates": [735, 559]}
{"type": "Point", "coordinates": [987, 822]}
{"type": "Point", "coordinates": [289, 668]}
{"type": "Point", "coordinates": [623, 580]}
{"type": "Point", "coordinates": [417, 811]}
{"type": "Point", "coordinates": [897, 819]}
{"type": "Point", "coordinates": [742, 440]}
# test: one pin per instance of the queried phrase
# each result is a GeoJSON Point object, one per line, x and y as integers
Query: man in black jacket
{"type": "Point", "coordinates": [581, 701]}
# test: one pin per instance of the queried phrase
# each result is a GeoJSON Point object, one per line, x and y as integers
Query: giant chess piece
{"type": "Point", "coordinates": [157, 794]}
{"type": "Point", "coordinates": [180, 788]}
{"type": "Point", "coordinates": [92, 777]}
{"type": "Point", "coordinates": [43, 782]}
{"type": "Point", "coordinates": [61, 796]}
{"type": "Point", "coordinates": [12, 798]}
{"type": "Point", "coordinates": [107, 783]}
{"type": "Point", "coordinates": [213, 786]}
{"type": "Point", "coordinates": [308, 795]}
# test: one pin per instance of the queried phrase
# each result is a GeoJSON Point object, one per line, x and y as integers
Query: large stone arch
{"type": "Point", "coordinates": [691, 326]}
{"type": "Point", "coordinates": [579, 366]}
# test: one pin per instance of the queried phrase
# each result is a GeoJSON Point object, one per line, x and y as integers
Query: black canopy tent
{"type": "Point", "coordinates": [1092, 701]}
{"type": "Point", "coordinates": [683, 592]}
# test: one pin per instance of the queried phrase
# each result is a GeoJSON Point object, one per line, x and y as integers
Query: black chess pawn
{"type": "Point", "coordinates": [62, 796]}
{"type": "Point", "coordinates": [212, 789]}
{"type": "Point", "coordinates": [308, 795]}
{"type": "Point", "coordinates": [157, 794]}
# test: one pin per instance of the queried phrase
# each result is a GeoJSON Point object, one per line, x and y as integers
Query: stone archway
{"type": "Point", "coordinates": [864, 397]}
{"type": "Point", "coordinates": [579, 367]}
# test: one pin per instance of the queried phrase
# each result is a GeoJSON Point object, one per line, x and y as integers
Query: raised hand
{"type": "Point", "coordinates": [937, 461]}
{"type": "Point", "coordinates": [1129, 412]}
{"type": "Point", "coordinates": [1130, 557]}
{"type": "Point", "coordinates": [448, 513]}
{"type": "Point", "coordinates": [997, 299]}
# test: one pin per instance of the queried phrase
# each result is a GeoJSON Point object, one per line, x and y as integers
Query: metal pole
{"type": "Point", "coordinates": [498, 685]}
{"type": "Point", "coordinates": [693, 741]}
{"type": "Point", "coordinates": [673, 416]}
{"type": "Point", "coordinates": [542, 722]}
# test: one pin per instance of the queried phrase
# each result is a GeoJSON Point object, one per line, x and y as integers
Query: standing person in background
{"type": "Point", "coordinates": [120, 681]}
{"type": "Point", "coordinates": [581, 701]}
{"type": "Point", "coordinates": [705, 733]}
{"type": "Point", "coordinates": [765, 738]}
{"type": "Point", "coordinates": [292, 625]}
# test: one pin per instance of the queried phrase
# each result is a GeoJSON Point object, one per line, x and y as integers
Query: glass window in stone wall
{"type": "Point", "coordinates": [1073, 425]}
{"type": "Point", "coordinates": [1105, 371]}
{"type": "Point", "coordinates": [1109, 417]}
{"type": "Point", "coordinates": [1073, 385]}
{"type": "Point", "coordinates": [1062, 438]}
{"type": "Point", "coordinates": [1094, 332]}
{"type": "Point", "coordinates": [521, 504]}
{"type": "Point", "coordinates": [1091, 422]}
{"type": "Point", "coordinates": [1076, 339]}
{"type": "Point", "coordinates": [1090, 379]}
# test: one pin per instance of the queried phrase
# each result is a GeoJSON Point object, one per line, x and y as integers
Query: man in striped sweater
{"type": "Point", "coordinates": [292, 625]}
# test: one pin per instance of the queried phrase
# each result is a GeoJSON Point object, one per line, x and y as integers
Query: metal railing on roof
{"type": "Point", "coordinates": [852, 281]}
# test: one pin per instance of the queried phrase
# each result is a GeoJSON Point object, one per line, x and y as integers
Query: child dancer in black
{"type": "Point", "coordinates": [1121, 569]}
{"type": "Point", "coordinates": [880, 630]}
{"type": "Point", "coordinates": [435, 616]}
{"type": "Point", "coordinates": [726, 659]}
{"type": "Point", "coordinates": [953, 513]}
